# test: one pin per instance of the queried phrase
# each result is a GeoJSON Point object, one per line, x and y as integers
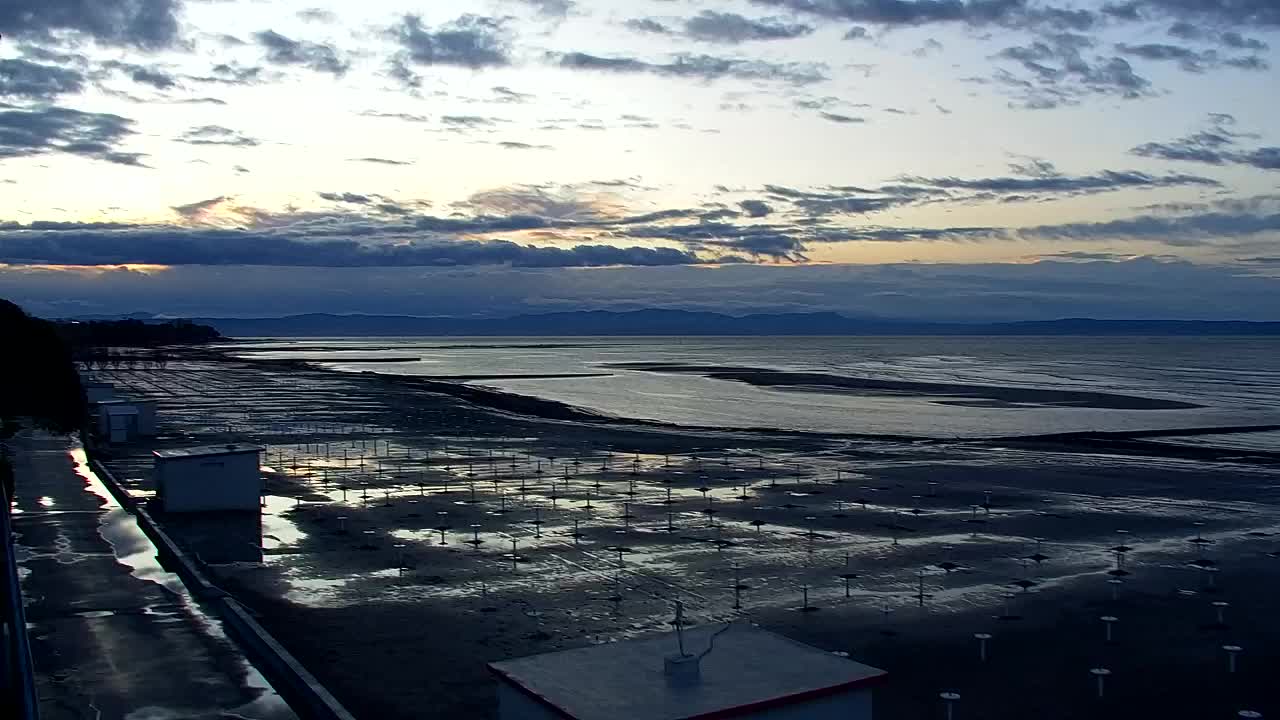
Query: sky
{"type": "Point", "coordinates": [965, 160]}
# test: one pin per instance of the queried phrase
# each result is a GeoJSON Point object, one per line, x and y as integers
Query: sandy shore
{"type": "Point", "coordinates": [613, 520]}
{"type": "Point", "coordinates": [956, 393]}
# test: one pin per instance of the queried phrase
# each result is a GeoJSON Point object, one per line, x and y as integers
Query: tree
{"type": "Point", "coordinates": [39, 382]}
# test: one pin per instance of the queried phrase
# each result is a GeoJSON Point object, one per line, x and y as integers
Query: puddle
{"type": "Point", "coordinates": [133, 549]}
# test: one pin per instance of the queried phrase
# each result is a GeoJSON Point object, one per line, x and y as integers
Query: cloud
{"type": "Point", "coordinates": [319, 15]}
{"type": "Point", "coordinates": [755, 208]}
{"type": "Point", "coordinates": [728, 28]}
{"type": "Point", "coordinates": [179, 246]}
{"type": "Point", "coordinates": [145, 24]}
{"type": "Point", "coordinates": [505, 94]}
{"type": "Point", "coordinates": [1184, 230]}
{"type": "Point", "coordinates": [511, 145]}
{"type": "Point", "coordinates": [407, 117]}
{"type": "Point", "coordinates": [1058, 73]}
{"type": "Point", "coordinates": [470, 41]}
{"type": "Point", "coordinates": [282, 50]}
{"type": "Point", "coordinates": [233, 74]}
{"type": "Point", "coordinates": [974, 13]}
{"type": "Point", "coordinates": [197, 211]}
{"type": "Point", "coordinates": [648, 25]}
{"type": "Point", "coordinates": [838, 118]}
{"type": "Point", "coordinates": [550, 8]}
{"type": "Point", "coordinates": [1048, 181]}
{"type": "Point", "coordinates": [52, 129]}
{"type": "Point", "coordinates": [1216, 145]}
{"type": "Point", "coordinates": [1189, 59]}
{"type": "Point", "coordinates": [1247, 13]}
{"type": "Point", "coordinates": [857, 32]}
{"type": "Point", "coordinates": [34, 81]}
{"type": "Point", "coordinates": [381, 161]}
{"type": "Point", "coordinates": [143, 74]}
{"type": "Point", "coordinates": [972, 292]}
{"type": "Point", "coordinates": [703, 67]}
{"type": "Point", "coordinates": [216, 135]}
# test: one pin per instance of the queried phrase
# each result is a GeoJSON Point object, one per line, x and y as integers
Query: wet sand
{"type": "Point", "coordinates": [614, 520]}
{"type": "Point", "coordinates": [993, 396]}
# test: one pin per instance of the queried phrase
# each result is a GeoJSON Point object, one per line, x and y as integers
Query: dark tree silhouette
{"type": "Point", "coordinates": [39, 383]}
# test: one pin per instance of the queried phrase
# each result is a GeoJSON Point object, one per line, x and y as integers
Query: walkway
{"type": "Point", "coordinates": [113, 634]}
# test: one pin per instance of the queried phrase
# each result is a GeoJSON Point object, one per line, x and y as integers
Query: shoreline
{"type": "Point", "coordinates": [546, 409]}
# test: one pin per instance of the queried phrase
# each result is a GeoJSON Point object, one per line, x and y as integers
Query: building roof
{"type": "Point", "coordinates": [748, 670]}
{"type": "Point", "coordinates": [207, 451]}
{"type": "Point", "coordinates": [122, 401]}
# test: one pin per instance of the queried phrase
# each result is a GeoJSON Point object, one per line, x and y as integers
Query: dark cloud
{"type": "Point", "coordinates": [196, 210]}
{"type": "Point", "coordinates": [755, 208]}
{"type": "Point", "coordinates": [704, 67]}
{"type": "Point", "coordinates": [1248, 13]}
{"type": "Point", "coordinates": [151, 75]}
{"type": "Point", "coordinates": [647, 25]}
{"type": "Point", "coordinates": [347, 197]}
{"type": "Point", "coordinates": [282, 50]}
{"type": "Point", "coordinates": [381, 161]}
{"type": "Point", "coordinates": [470, 41]}
{"type": "Point", "coordinates": [838, 118]}
{"type": "Point", "coordinates": [505, 94]}
{"type": "Point", "coordinates": [1189, 59]}
{"type": "Point", "coordinates": [181, 246]}
{"type": "Point", "coordinates": [216, 135]}
{"type": "Point", "coordinates": [975, 13]}
{"type": "Point", "coordinates": [1216, 145]}
{"type": "Point", "coordinates": [34, 81]}
{"type": "Point", "coordinates": [1185, 230]}
{"type": "Point", "coordinates": [721, 27]}
{"type": "Point", "coordinates": [465, 122]}
{"type": "Point", "coordinates": [1058, 73]}
{"type": "Point", "coordinates": [1053, 183]}
{"type": "Point", "coordinates": [199, 101]}
{"type": "Point", "coordinates": [52, 129]}
{"type": "Point", "coordinates": [857, 32]}
{"type": "Point", "coordinates": [146, 24]}
{"type": "Point", "coordinates": [233, 74]}
{"type": "Point", "coordinates": [511, 145]}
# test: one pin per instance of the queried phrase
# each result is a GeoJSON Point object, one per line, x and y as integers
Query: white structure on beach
{"type": "Point", "coordinates": [714, 671]}
{"type": "Point", "coordinates": [123, 420]}
{"type": "Point", "coordinates": [213, 477]}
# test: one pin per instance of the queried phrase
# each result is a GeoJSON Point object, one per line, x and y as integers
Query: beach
{"type": "Point", "coordinates": [590, 526]}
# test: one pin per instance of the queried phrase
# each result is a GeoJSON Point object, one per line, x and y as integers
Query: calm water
{"type": "Point", "coordinates": [1236, 379]}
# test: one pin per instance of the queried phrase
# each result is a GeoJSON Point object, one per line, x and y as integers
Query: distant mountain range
{"type": "Point", "coordinates": [680, 322]}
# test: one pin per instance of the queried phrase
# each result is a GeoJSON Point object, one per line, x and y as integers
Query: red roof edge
{"type": "Point", "coordinates": [814, 694]}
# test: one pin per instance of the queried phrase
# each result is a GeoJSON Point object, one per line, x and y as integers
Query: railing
{"type": "Point", "coordinates": [18, 686]}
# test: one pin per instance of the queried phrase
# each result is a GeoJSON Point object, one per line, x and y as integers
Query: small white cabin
{"type": "Point", "coordinates": [209, 478]}
{"type": "Point", "coordinates": [123, 420]}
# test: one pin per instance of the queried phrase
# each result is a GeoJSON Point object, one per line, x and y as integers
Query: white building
{"type": "Point", "coordinates": [122, 420]}
{"type": "Point", "coordinates": [214, 477]}
{"type": "Point", "coordinates": [744, 672]}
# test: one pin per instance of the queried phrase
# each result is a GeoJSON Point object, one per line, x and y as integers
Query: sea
{"type": "Point", "coordinates": [1233, 381]}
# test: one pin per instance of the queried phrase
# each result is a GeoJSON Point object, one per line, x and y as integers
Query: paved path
{"type": "Point", "coordinates": [113, 634]}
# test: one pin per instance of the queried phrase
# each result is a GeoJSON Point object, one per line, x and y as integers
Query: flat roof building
{"type": "Point", "coordinates": [209, 478]}
{"type": "Point", "coordinates": [121, 420]}
{"type": "Point", "coordinates": [734, 671]}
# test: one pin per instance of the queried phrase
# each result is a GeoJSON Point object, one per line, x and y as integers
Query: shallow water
{"type": "Point", "coordinates": [1236, 380]}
